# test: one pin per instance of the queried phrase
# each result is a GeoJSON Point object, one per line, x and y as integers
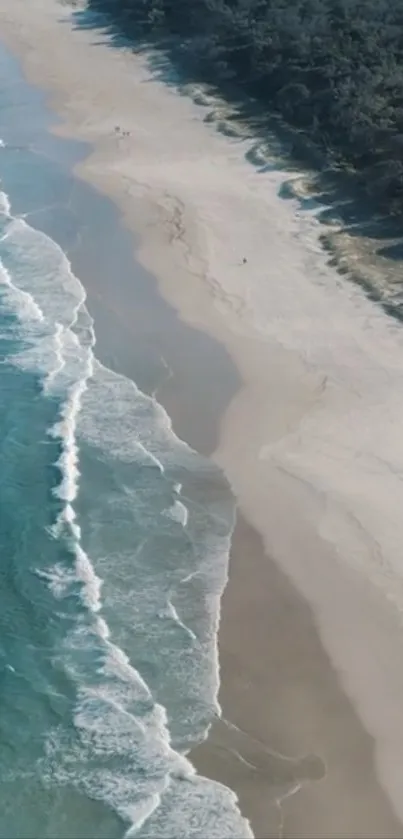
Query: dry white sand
{"type": "Point", "coordinates": [313, 442]}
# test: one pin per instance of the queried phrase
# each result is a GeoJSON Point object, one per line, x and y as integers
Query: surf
{"type": "Point", "coordinates": [122, 752]}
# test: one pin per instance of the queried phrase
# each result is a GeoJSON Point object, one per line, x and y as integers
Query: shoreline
{"type": "Point", "coordinates": [204, 304]}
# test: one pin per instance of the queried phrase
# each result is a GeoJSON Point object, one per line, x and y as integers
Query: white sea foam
{"type": "Point", "coordinates": [116, 714]}
{"type": "Point", "coordinates": [131, 427]}
{"type": "Point", "coordinates": [59, 579]}
{"type": "Point", "coordinates": [178, 510]}
{"type": "Point", "coordinates": [39, 263]}
{"type": "Point", "coordinates": [172, 612]}
{"type": "Point", "coordinates": [65, 430]}
{"type": "Point", "coordinates": [22, 302]}
{"type": "Point", "coordinates": [5, 208]}
{"type": "Point", "coordinates": [60, 360]}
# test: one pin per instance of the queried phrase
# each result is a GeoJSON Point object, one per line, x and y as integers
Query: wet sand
{"type": "Point", "coordinates": [310, 649]}
{"type": "Point", "coordinates": [299, 758]}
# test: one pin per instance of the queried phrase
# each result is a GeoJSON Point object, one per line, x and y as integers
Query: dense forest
{"type": "Point", "coordinates": [331, 68]}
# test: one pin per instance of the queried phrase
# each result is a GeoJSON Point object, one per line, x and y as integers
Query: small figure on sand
{"type": "Point", "coordinates": [120, 132]}
{"type": "Point", "coordinates": [244, 261]}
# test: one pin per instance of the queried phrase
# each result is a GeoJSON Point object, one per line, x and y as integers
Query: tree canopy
{"type": "Point", "coordinates": [333, 68]}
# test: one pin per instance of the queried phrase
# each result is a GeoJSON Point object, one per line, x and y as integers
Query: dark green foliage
{"type": "Point", "coordinates": [333, 68]}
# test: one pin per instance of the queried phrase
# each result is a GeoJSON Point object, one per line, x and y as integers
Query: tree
{"type": "Point", "coordinates": [331, 67]}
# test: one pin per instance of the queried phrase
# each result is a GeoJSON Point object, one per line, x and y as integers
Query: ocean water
{"type": "Point", "coordinates": [114, 541]}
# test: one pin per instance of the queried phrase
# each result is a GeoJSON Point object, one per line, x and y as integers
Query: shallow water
{"type": "Point", "coordinates": [114, 540]}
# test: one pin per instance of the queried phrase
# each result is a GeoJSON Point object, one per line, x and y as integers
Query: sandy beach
{"type": "Point", "coordinates": [303, 413]}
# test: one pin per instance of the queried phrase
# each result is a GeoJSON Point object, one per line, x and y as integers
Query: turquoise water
{"type": "Point", "coordinates": [114, 539]}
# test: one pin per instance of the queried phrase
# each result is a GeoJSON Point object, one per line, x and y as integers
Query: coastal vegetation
{"type": "Point", "coordinates": [333, 70]}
